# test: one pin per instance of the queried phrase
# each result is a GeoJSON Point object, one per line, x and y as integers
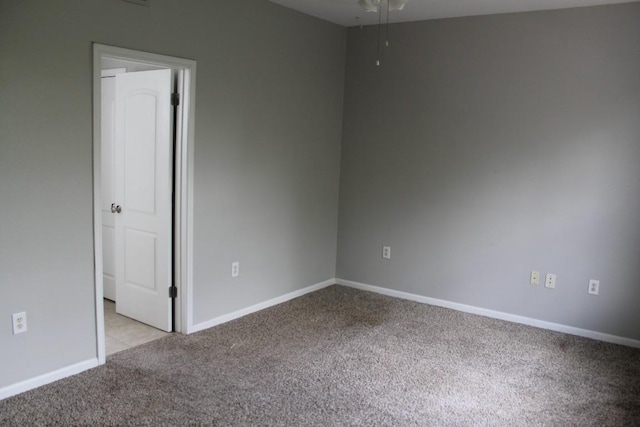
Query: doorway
{"type": "Point", "coordinates": [143, 174]}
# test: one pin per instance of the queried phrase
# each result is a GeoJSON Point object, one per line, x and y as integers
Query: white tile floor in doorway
{"type": "Point", "coordinates": [122, 332]}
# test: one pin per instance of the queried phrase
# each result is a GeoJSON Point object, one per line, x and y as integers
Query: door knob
{"type": "Point", "coordinates": [115, 208]}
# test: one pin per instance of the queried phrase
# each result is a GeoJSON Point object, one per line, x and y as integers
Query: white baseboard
{"type": "Point", "coordinates": [47, 378]}
{"type": "Point", "coordinates": [68, 371]}
{"type": "Point", "coordinates": [260, 306]}
{"type": "Point", "coordinates": [493, 314]}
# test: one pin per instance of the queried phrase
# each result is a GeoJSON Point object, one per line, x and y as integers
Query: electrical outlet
{"type": "Point", "coordinates": [386, 252]}
{"type": "Point", "coordinates": [550, 281]}
{"type": "Point", "coordinates": [235, 269]}
{"type": "Point", "coordinates": [535, 278]}
{"type": "Point", "coordinates": [19, 322]}
{"type": "Point", "coordinates": [594, 287]}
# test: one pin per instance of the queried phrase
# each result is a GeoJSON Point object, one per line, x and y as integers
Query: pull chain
{"type": "Point", "coordinates": [379, 32]}
{"type": "Point", "coordinates": [386, 28]}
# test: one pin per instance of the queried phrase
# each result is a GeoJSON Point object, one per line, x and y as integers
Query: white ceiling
{"type": "Point", "coordinates": [349, 13]}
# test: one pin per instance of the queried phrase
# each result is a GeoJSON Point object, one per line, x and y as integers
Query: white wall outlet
{"type": "Point", "coordinates": [535, 278]}
{"type": "Point", "coordinates": [386, 252]}
{"type": "Point", "coordinates": [19, 322]}
{"type": "Point", "coordinates": [594, 287]}
{"type": "Point", "coordinates": [235, 269]}
{"type": "Point", "coordinates": [550, 281]}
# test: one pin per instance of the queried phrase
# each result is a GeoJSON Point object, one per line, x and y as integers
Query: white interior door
{"type": "Point", "coordinates": [143, 189]}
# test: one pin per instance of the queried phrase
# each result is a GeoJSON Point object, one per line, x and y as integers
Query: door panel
{"type": "Point", "coordinates": [143, 189]}
{"type": "Point", "coordinates": [140, 157]}
{"type": "Point", "coordinates": [140, 259]}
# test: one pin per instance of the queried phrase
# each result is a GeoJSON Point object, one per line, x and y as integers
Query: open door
{"type": "Point", "coordinates": [143, 203]}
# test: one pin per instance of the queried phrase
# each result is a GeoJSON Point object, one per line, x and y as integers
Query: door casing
{"type": "Point", "coordinates": [183, 185]}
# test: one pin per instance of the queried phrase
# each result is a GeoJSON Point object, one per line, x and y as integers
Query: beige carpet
{"type": "Point", "coordinates": [345, 357]}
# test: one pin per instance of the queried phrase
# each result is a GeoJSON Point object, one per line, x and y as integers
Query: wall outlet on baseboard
{"type": "Point", "coordinates": [386, 252]}
{"type": "Point", "coordinates": [535, 278]}
{"type": "Point", "coordinates": [19, 322]}
{"type": "Point", "coordinates": [235, 269]}
{"type": "Point", "coordinates": [550, 281]}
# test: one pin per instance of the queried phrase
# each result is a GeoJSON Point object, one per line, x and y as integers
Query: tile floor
{"type": "Point", "coordinates": [122, 332]}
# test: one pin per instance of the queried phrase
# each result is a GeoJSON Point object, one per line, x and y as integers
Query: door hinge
{"type": "Point", "coordinates": [175, 99]}
{"type": "Point", "coordinates": [173, 292]}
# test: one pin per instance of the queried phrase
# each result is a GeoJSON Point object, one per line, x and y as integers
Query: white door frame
{"type": "Point", "coordinates": [184, 160]}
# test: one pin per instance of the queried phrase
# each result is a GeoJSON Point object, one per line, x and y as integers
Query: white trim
{"type": "Point", "coordinates": [493, 314]}
{"type": "Point", "coordinates": [184, 181]}
{"type": "Point", "coordinates": [97, 210]}
{"type": "Point", "coordinates": [261, 306]}
{"type": "Point", "coordinates": [112, 72]}
{"type": "Point", "coordinates": [47, 378]}
{"type": "Point", "coordinates": [184, 266]}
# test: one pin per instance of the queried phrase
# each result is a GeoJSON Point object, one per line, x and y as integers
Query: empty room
{"type": "Point", "coordinates": [320, 212]}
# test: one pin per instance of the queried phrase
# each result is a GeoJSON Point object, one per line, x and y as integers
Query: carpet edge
{"type": "Point", "coordinates": [47, 378]}
{"type": "Point", "coordinates": [542, 324]}
{"type": "Point", "coordinates": [260, 306]}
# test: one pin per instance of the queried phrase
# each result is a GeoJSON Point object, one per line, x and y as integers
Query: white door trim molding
{"type": "Point", "coordinates": [184, 160]}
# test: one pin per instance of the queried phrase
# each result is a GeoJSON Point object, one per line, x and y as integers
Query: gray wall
{"type": "Point", "coordinates": [487, 147]}
{"type": "Point", "coordinates": [483, 148]}
{"type": "Point", "coordinates": [268, 126]}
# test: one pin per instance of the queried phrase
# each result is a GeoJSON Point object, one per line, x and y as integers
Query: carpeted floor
{"type": "Point", "coordinates": [341, 356]}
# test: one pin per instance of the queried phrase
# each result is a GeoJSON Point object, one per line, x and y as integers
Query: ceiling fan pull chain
{"type": "Point", "coordinates": [379, 33]}
{"type": "Point", "coordinates": [386, 28]}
